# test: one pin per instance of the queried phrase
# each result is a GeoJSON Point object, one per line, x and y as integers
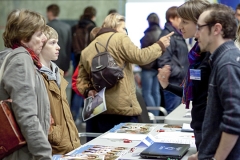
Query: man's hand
{"type": "Point", "coordinates": [166, 39]}
{"type": "Point", "coordinates": [193, 156]}
{"type": "Point", "coordinates": [163, 76]}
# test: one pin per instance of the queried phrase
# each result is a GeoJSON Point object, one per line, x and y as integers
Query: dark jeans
{"type": "Point", "coordinates": [104, 122]}
{"type": "Point", "coordinates": [198, 138]}
{"type": "Point", "coordinates": [76, 105]}
{"type": "Point", "coordinates": [171, 101]}
{"type": "Point", "coordinates": [151, 89]}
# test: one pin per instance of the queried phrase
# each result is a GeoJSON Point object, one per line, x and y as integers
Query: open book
{"type": "Point", "coordinates": [94, 105]}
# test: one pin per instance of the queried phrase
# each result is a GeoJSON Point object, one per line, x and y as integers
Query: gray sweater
{"type": "Point", "coordinates": [223, 106]}
{"type": "Point", "coordinates": [30, 104]}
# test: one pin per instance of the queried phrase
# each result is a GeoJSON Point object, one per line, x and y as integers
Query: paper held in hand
{"type": "Point", "coordinates": [94, 106]}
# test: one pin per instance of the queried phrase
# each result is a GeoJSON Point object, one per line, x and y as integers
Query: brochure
{"type": "Point", "coordinates": [94, 106]}
{"type": "Point", "coordinates": [96, 152]}
{"type": "Point", "coordinates": [133, 128]}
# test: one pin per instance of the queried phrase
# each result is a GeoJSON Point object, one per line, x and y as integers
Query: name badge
{"type": "Point", "coordinates": [195, 74]}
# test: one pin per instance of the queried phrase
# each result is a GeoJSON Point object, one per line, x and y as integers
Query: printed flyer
{"type": "Point", "coordinates": [96, 152]}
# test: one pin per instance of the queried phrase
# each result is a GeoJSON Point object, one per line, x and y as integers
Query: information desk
{"type": "Point", "coordinates": [179, 116]}
{"type": "Point", "coordinates": [118, 139]}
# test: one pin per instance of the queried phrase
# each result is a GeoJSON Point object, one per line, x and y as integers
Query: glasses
{"type": "Point", "coordinates": [200, 26]}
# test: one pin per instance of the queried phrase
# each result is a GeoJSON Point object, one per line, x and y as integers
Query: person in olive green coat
{"type": "Point", "coordinates": [121, 100]}
{"type": "Point", "coordinates": [63, 135]}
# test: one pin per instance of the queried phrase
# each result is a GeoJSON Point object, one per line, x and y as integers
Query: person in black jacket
{"type": "Point", "coordinates": [175, 56]}
{"type": "Point", "coordinates": [83, 32]}
{"type": "Point", "coordinates": [196, 88]}
{"type": "Point", "coordinates": [86, 24]}
{"type": "Point", "coordinates": [65, 40]}
{"type": "Point", "coordinates": [149, 81]}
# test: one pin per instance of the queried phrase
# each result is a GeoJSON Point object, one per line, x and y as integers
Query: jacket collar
{"type": "Point", "coordinates": [105, 30]}
{"type": "Point", "coordinates": [170, 28]}
{"type": "Point", "coordinates": [220, 51]}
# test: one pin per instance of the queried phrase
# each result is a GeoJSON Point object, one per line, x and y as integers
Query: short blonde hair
{"type": "Point", "coordinates": [50, 33]}
{"type": "Point", "coordinates": [113, 20]}
{"type": "Point", "coordinates": [21, 25]}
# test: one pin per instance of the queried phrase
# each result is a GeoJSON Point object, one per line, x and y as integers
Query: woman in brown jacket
{"type": "Point", "coordinates": [63, 134]}
{"type": "Point", "coordinates": [121, 100]}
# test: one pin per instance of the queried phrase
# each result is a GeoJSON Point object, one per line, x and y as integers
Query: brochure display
{"type": "Point", "coordinates": [133, 128]}
{"type": "Point", "coordinates": [96, 152]}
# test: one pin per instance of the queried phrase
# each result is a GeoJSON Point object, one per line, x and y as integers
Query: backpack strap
{"type": "Point", "coordinates": [106, 47]}
{"type": "Point", "coordinates": [102, 45]}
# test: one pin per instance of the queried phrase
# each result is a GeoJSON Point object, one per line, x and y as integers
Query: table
{"type": "Point", "coordinates": [102, 140]}
{"type": "Point", "coordinates": [177, 116]}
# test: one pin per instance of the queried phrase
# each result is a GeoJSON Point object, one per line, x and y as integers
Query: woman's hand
{"type": "Point", "coordinates": [92, 93]}
{"type": "Point", "coordinates": [166, 39]}
{"type": "Point", "coordinates": [163, 75]}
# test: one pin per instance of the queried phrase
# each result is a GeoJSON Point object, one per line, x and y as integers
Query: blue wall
{"type": "Point", "coordinates": [231, 3]}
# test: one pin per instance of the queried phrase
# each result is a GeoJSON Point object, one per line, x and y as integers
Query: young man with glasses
{"type": "Point", "coordinates": [216, 29]}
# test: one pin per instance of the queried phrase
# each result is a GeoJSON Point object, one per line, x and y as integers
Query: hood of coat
{"type": "Point", "coordinates": [84, 22]}
{"type": "Point", "coordinates": [170, 28]}
{"type": "Point", "coordinates": [105, 30]}
{"type": "Point", "coordinates": [52, 75]}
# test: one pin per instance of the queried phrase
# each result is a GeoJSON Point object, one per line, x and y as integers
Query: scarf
{"type": "Point", "coordinates": [194, 59]}
{"type": "Point", "coordinates": [52, 74]}
{"type": "Point", "coordinates": [34, 56]}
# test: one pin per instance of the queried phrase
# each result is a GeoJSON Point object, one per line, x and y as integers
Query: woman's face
{"type": "Point", "coordinates": [122, 28]}
{"type": "Point", "coordinates": [36, 42]}
{"type": "Point", "coordinates": [188, 28]}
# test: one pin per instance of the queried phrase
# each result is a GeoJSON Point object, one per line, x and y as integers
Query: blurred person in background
{"type": "Point", "coordinates": [149, 82]}
{"type": "Point", "coordinates": [175, 56]}
{"type": "Point", "coordinates": [64, 31]}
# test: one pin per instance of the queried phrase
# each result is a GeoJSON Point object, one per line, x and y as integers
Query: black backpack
{"type": "Point", "coordinates": [104, 70]}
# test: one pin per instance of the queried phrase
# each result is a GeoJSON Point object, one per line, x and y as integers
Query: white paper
{"type": "Point", "coordinates": [186, 128]}
{"type": "Point", "coordinates": [124, 136]}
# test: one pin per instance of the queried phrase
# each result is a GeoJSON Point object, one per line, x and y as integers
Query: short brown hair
{"type": "Point", "coordinates": [171, 13]}
{"type": "Point", "coordinates": [54, 8]}
{"type": "Point", "coordinates": [224, 15]}
{"type": "Point", "coordinates": [89, 13]}
{"type": "Point", "coordinates": [192, 9]}
{"type": "Point", "coordinates": [153, 18]}
{"type": "Point", "coordinates": [50, 33]}
{"type": "Point", "coordinates": [21, 25]}
{"type": "Point", "coordinates": [113, 20]}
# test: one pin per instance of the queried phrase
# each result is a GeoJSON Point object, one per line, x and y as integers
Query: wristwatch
{"type": "Point", "coordinates": [213, 158]}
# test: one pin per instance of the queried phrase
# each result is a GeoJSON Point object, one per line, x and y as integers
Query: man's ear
{"type": "Point", "coordinates": [217, 29]}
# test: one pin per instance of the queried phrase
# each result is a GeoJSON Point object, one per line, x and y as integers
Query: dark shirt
{"type": "Point", "coordinates": [199, 91]}
{"type": "Point", "coordinates": [223, 106]}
